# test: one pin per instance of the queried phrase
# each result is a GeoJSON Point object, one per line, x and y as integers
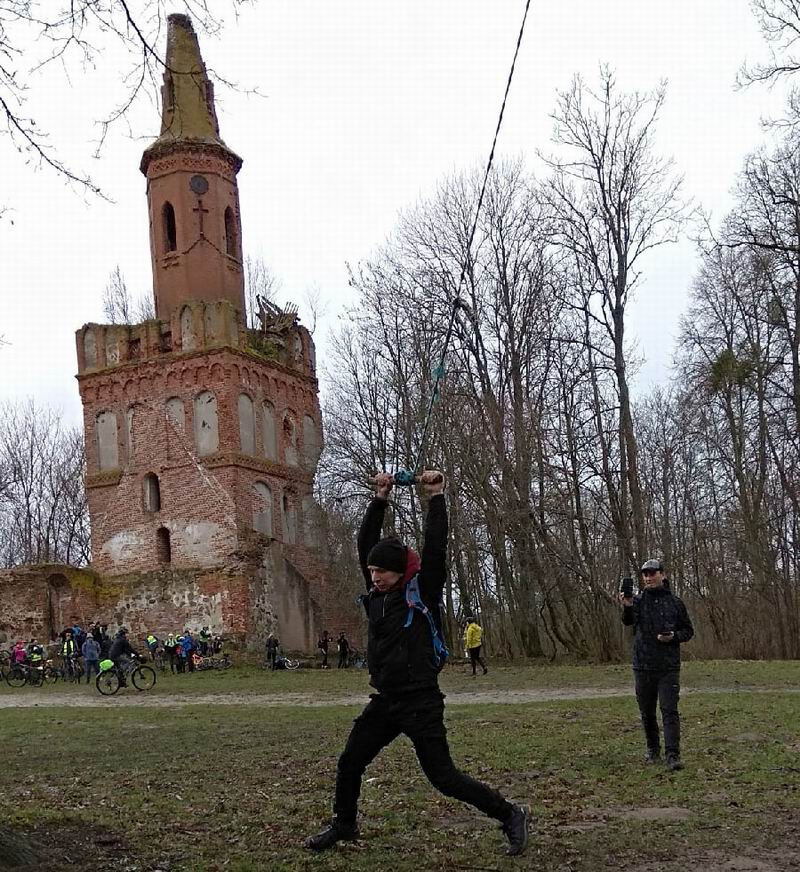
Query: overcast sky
{"type": "Point", "coordinates": [368, 103]}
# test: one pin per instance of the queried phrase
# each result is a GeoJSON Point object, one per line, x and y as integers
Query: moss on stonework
{"type": "Point", "coordinates": [259, 346]}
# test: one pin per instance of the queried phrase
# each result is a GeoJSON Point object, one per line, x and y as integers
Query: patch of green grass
{"type": "Point", "coordinates": [456, 678]}
{"type": "Point", "coordinates": [236, 787]}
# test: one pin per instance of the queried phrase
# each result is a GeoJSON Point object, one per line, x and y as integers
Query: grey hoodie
{"type": "Point", "coordinates": [90, 649]}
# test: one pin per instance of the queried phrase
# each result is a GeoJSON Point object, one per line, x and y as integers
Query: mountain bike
{"type": "Point", "coordinates": [112, 677]}
{"type": "Point", "coordinates": [223, 662]}
{"type": "Point", "coordinates": [22, 673]}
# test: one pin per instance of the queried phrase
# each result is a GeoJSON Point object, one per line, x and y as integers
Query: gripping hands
{"type": "Point", "coordinates": [431, 480]}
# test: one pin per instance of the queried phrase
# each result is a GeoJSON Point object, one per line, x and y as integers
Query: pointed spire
{"type": "Point", "coordinates": [188, 114]}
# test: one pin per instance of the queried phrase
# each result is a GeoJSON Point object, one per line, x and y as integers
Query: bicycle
{"type": "Point", "coordinates": [356, 659]}
{"type": "Point", "coordinates": [71, 670]}
{"type": "Point", "coordinates": [281, 662]}
{"type": "Point", "coordinates": [203, 663]}
{"type": "Point", "coordinates": [23, 673]}
{"type": "Point", "coordinates": [159, 661]}
{"type": "Point", "coordinates": [110, 679]}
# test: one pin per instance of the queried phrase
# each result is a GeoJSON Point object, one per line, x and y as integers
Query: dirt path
{"type": "Point", "coordinates": [29, 698]}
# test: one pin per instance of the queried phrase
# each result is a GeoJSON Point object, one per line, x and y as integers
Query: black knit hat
{"type": "Point", "coordinates": [389, 553]}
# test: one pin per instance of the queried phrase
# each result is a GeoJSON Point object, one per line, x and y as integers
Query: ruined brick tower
{"type": "Point", "coordinates": [202, 436]}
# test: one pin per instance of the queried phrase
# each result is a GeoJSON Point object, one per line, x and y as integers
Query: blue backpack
{"type": "Point", "coordinates": [414, 602]}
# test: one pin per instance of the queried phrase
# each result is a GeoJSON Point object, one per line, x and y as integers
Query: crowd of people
{"type": "Point", "coordinates": [78, 653]}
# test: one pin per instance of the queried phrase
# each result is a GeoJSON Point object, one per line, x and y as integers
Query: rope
{"type": "Point", "coordinates": [408, 476]}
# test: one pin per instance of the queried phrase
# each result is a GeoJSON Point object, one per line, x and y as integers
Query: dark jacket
{"type": "Point", "coordinates": [654, 611]}
{"type": "Point", "coordinates": [401, 658]}
{"type": "Point", "coordinates": [120, 646]}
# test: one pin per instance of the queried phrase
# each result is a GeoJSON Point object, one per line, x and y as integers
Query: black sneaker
{"type": "Point", "coordinates": [485, 670]}
{"type": "Point", "coordinates": [652, 756]}
{"type": "Point", "coordinates": [336, 832]}
{"type": "Point", "coordinates": [674, 762]}
{"type": "Point", "coordinates": [516, 829]}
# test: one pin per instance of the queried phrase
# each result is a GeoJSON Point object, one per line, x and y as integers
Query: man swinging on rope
{"type": "Point", "coordinates": [404, 670]}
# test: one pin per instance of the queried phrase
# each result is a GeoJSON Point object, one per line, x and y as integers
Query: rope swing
{"type": "Point", "coordinates": [410, 476]}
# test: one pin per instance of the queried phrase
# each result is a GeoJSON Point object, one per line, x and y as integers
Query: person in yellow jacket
{"type": "Point", "coordinates": [472, 642]}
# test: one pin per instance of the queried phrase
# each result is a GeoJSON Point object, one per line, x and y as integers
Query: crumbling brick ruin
{"type": "Point", "coordinates": [202, 436]}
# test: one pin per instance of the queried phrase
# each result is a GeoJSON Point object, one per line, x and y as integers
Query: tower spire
{"type": "Point", "coordinates": [193, 197]}
{"type": "Point", "coordinates": [188, 113]}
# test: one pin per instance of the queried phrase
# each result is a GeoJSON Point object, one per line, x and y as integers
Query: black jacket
{"type": "Point", "coordinates": [120, 646]}
{"type": "Point", "coordinates": [401, 658]}
{"type": "Point", "coordinates": [654, 611]}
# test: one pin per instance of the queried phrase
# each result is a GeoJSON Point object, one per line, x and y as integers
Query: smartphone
{"type": "Point", "coordinates": [627, 587]}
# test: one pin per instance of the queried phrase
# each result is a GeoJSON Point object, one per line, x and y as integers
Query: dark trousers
{"type": "Point", "coordinates": [662, 688]}
{"type": "Point", "coordinates": [342, 664]}
{"type": "Point", "coordinates": [475, 658]}
{"type": "Point", "coordinates": [92, 667]}
{"type": "Point", "coordinates": [420, 716]}
{"type": "Point", "coordinates": [272, 653]}
{"type": "Point", "coordinates": [171, 659]}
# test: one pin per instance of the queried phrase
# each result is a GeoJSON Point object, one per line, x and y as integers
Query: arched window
{"type": "Point", "coordinates": [107, 444]}
{"type": "Point", "coordinates": [289, 440]}
{"type": "Point", "coordinates": [163, 546]}
{"type": "Point", "coordinates": [206, 424]}
{"type": "Point", "coordinates": [247, 425]}
{"type": "Point", "coordinates": [176, 412]}
{"type": "Point", "coordinates": [268, 435]}
{"type": "Point", "coordinates": [310, 442]}
{"type": "Point", "coordinates": [297, 348]}
{"type": "Point", "coordinates": [230, 233]}
{"type": "Point", "coordinates": [89, 349]}
{"type": "Point", "coordinates": [289, 519]}
{"type": "Point", "coordinates": [112, 348]}
{"type": "Point", "coordinates": [262, 508]}
{"type": "Point", "coordinates": [151, 493]}
{"type": "Point", "coordinates": [170, 229]}
{"type": "Point", "coordinates": [188, 333]}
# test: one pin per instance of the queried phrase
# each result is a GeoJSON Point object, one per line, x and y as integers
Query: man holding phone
{"type": "Point", "coordinates": [661, 624]}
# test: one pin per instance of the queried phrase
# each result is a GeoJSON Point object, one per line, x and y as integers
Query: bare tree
{"type": "Point", "coordinates": [612, 200]}
{"type": "Point", "coordinates": [43, 513]}
{"type": "Point", "coordinates": [259, 281]}
{"type": "Point", "coordinates": [73, 34]}
{"type": "Point", "coordinates": [118, 306]}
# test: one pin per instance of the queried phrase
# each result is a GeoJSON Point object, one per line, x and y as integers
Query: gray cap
{"type": "Point", "coordinates": [653, 564]}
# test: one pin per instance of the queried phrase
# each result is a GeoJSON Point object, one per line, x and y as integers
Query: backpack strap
{"type": "Point", "coordinates": [415, 603]}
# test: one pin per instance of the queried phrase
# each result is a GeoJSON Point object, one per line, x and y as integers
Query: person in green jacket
{"type": "Point", "coordinates": [472, 642]}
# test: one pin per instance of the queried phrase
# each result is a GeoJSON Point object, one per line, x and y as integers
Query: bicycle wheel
{"type": "Point", "coordinates": [51, 674]}
{"type": "Point", "coordinates": [143, 677]}
{"type": "Point", "coordinates": [292, 664]}
{"type": "Point", "coordinates": [16, 677]}
{"type": "Point", "coordinates": [107, 682]}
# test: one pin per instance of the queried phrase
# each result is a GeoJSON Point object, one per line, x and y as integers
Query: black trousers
{"type": "Point", "coordinates": [475, 658]}
{"type": "Point", "coordinates": [662, 688]}
{"type": "Point", "coordinates": [420, 716]}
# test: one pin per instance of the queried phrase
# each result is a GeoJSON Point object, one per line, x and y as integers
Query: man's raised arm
{"type": "Point", "coordinates": [372, 525]}
{"type": "Point", "coordinates": [433, 573]}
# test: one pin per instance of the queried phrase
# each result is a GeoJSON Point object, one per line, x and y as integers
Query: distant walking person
{"type": "Point", "coordinates": [324, 645]}
{"type": "Point", "coordinates": [661, 624]}
{"type": "Point", "coordinates": [472, 642]}
{"type": "Point", "coordinates": [343, 647]}
{"type": "Point", "coordinates": [272, 649]}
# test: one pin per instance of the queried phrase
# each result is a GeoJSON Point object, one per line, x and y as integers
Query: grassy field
{"type": "Point", "coordinates": [457, 678]}
{"type": "Point", "coordinates": [238, 787]}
